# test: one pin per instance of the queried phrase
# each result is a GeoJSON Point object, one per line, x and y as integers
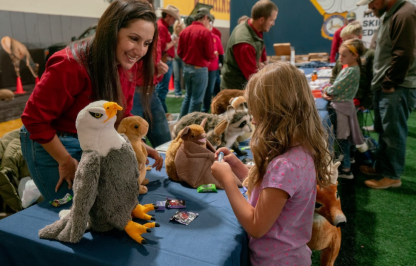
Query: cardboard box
{"type": "Point", "coordinates": [282, 49]}
{"type": "Point", "coordinates": [301, 58]}
{"type": "Point", "coordinates": [322, 57]}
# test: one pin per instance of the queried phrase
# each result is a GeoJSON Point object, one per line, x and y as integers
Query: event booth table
{"type": "Point", "coordinates": [215, 237]}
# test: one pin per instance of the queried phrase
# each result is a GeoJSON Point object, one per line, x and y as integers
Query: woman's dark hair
{"type": "Point", "coordinates": [98, 53]}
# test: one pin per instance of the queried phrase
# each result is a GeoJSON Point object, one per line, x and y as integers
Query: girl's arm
{"type": "Point", "coordinates": [256, 221]}
{"type": "Point", "coordinates": [340, 83]}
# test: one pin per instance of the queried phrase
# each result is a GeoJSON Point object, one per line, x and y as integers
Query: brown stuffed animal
{"type": "Point", "coordinates": [135, 128]}
{"type": "Point", "coordinates": [328, 217]}
{"type": "Point", "coordinates": [6, 95]}
{"type": "Point", "coordinates": [221, 102]}
{"type": "Point", "coordinates": [197, 132]}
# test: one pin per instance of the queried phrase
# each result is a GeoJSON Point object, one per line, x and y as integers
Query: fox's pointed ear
{"type": "Point", "coordinates": [230, 112]}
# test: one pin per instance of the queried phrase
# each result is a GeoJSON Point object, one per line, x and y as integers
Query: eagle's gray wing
{"type": "Point", "coordinates": [72, 227]}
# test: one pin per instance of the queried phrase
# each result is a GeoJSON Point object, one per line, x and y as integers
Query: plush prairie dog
{"type": "Point", "coordinates": [221, 102]}
{"type": "Point", "coordinates": [195, 133]}
{"type": "Point", "coordinates": [6, 95]}
{"type": "Point", "coordinates": [135, 128]}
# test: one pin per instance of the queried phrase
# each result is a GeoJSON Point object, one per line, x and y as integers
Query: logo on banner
{"type": "Point", "coordinates": [332, 22]}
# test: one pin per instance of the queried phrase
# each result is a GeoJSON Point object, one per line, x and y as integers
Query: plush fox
{"type": "Point", "coordinates": [328, 217]}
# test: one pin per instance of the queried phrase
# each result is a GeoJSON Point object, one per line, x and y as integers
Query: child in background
{"type": "Point", "coordinates": [364, 95]}
{"type": "Point", "coordinates": [341, 94]}
{"type": "Point", "coordinates": [290, 155]}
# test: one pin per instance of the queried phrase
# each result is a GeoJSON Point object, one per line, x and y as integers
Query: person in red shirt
{"type": "Point", "coordinates": [102, 67]}
{"type": "Point", "coordinates": [213, 70]}
{"type": "Point", "coordinates": [169, 15]}
{"type": "Point", "coordinates": [196, 48]}
{"type": "Point", "coordinates": [246, 53]}
{"type": "Point", "coordinates": [337, 41]}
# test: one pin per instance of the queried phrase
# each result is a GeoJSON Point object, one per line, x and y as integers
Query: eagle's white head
{"type": "Point", "coordinates": [95, 127]}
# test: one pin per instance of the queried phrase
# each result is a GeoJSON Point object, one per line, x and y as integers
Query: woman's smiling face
{"type": "Point", "coordinates": [133, 42]}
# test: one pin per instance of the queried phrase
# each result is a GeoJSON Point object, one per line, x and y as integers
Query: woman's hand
{"type": "Point", "coordinates": [67, 172]}
{"type": "Point", "coordinates": [162, 68]}
{"type": "Point", "coordinates": [222, 172]}
{"type": "Point", "coordinates": [152, 153]}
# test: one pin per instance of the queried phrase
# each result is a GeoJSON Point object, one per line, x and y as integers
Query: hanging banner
{"type": "Point", "coordinates": [334, 14]}
{"type": "Point", "coordinates": [221, 8]}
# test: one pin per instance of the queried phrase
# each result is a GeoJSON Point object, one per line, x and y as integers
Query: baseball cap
{"type": "Point", "coordinates": [364, 2]}
{"type": "Point", "coordinates": [205, 11]}
{"type": "Point", "coordinates": [351, 16]}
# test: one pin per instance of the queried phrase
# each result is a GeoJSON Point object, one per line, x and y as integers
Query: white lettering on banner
{"type": "Point", "coordinates": [330, 8]}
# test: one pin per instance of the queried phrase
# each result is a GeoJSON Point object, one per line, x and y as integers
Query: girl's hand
{"type": "Point", "coordinates": [152, 153]}
{"type": "Point", "coordinates": [326, 96]}
{"type": "Point", "coordinates": [222, 172]}
{"type": "Point", "coordinates": [67, 172]}
{"type": "Point", "coordinates": [229, 157]}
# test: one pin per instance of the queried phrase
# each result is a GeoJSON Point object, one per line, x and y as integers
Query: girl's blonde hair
{"type": "Point", "coordinates": [355, 46]}
{"type": "Point", "coordinates": [353, 28]}
{"type": "Point", "coordinates": [282, 105]}
{"type": "Point", "coordinates": [175, 24]}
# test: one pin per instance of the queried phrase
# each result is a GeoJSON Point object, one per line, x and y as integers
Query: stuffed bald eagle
{"type": "Point", "coordinates": [105, 185]}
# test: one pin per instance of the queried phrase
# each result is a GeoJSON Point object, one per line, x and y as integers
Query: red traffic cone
{"type": "Point", "coordinates": [171, 84]}
{"type": "Point", "coordinates": [19, 87]}
{"type": "Point", "coordinates": [36, 80]}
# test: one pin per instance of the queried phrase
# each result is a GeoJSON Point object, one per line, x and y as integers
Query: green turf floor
{"type": "Point", "coordinates": [381, 224]}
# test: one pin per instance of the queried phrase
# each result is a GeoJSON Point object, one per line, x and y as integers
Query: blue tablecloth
{"type": "Point", "coordinates": [214, 238]}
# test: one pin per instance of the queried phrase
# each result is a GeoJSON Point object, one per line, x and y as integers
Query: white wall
{"type": "Point", "coordinates": [79, 8]}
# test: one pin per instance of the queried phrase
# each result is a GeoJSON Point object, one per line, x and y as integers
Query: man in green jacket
{"type": "Point", "coordinates": [245, 52]}
{"type": "Point", "coordinates": [394, 86]}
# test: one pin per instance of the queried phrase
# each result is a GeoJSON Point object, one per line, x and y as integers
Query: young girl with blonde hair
{"type": "Point", "coordinates": [291, 156]}
{"type": "Point", "coordinates": [341, 94]}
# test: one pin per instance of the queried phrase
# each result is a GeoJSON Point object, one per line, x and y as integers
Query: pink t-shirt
{"type": "Point", "coordinates": [285, 242]}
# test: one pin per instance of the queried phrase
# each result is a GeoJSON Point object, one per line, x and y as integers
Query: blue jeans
{"type": "Point", "coordinates": [162, 88]}
{"type": "Point", "coordinates": [217, 87]}
{"type": "Point", "coordinates": [391, 112]}
{"type": "Point", "coordinates": [43, 168]}
{"type": "Point", "coordinates": [212, 77]}
{"type": "Point", "coordinates": [196, 81]}
{"type": "Point", "coordinates": [345, 147]}
{"type": "Point", "coordinates": [177, 68]}
{"type": "Point", "coordinates": [158, 128]}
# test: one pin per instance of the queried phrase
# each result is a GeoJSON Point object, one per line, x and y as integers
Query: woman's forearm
{"type": "Point", "coordinates": [57, 150]}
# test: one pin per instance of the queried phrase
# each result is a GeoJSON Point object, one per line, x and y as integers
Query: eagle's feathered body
{"type": "Point", "coordinates": [105, 185]}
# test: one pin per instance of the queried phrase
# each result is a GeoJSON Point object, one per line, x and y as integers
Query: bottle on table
{"type": "Point", "coordinates": [314, 76]}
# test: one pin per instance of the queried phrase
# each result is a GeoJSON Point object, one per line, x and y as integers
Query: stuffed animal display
{"type": "Point", "coordinates": [105, 185]}
{"type": "Point", "coordinates": [190, 156]}
{"type": "Point", "coordinates": [220, 103]}
{"type": "Point", "coordinates": [232, 124]}
{"type": "Point", "coordinates": [328, 217]}
{"type": "Point", "coordinates": [135, 128]}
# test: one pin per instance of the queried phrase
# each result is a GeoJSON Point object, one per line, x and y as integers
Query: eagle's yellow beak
{"type": "Point", "coordinates": [111, 109]}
